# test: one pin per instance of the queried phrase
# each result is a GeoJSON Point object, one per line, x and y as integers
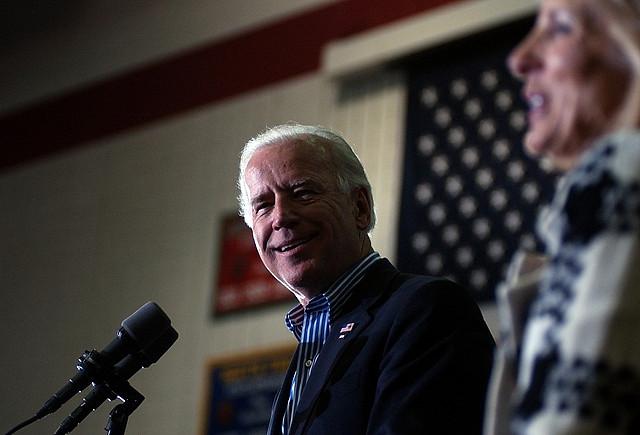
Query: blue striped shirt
{"type": "Point", "coordinates": [311, 326]}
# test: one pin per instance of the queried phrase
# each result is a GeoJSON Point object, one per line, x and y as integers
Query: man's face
{"type": "Point", "coordinates": [306, 231]}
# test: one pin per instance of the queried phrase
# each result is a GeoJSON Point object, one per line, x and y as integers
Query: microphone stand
{"type": "Point", "coordinates": [118, 417]}
{"type": "Point", "coordinates": [110, 383]}
{"type": "Point", "coordinates": [148, 334]}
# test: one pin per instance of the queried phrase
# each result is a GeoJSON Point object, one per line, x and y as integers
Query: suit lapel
{"type": "Point", "coordinates": [354, 322]}
{"type": "Point", "coordinates": [331, 352]}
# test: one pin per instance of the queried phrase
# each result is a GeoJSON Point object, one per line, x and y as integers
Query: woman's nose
{"type": "Point", "coordinates": [524, 58]}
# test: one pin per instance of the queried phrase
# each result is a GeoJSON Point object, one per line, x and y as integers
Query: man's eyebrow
{"type": "Point", "coordinates": [300, 183]}
{"type": "Point", "coordinates": [305, 182]}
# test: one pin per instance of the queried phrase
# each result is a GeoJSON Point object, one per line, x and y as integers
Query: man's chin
{"type": "Point", "coordinates": [307, 285]}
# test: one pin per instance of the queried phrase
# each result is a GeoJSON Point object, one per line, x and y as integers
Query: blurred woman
{"type": "Point", "coordinates": [569, 359]}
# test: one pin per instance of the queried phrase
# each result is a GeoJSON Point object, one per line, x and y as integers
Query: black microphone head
{"type": "Point", "coordinates": [142, 339]}
{"type": "Point", "coordinates": [131, 364]}
{"type": "Point", "coordinates": [138, 331]}
{"type": "Point", "coordinates": [153, 352]}
{"type": "Point", "coordinates": [146, 324]}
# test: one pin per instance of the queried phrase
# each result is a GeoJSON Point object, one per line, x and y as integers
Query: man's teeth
{"type": "Point", "coordinates": [289, 247]}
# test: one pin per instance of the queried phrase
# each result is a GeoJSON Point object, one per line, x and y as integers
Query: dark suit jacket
{"type": "Point", "coordinates": [417, 361]}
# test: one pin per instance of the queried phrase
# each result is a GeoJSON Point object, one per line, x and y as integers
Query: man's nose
{"type": "Point", "coordinates": [284, 214]}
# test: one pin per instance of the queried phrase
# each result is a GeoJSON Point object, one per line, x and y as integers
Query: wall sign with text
{"type": "Point", "coordinates": [241, 390]}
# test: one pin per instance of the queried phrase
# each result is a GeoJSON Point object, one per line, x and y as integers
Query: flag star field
{"type": "Point", "coordinates": [470, 195]}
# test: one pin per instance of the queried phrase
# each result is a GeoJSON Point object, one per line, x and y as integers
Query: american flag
{"type": "Point", "coordinates": [470, 195]}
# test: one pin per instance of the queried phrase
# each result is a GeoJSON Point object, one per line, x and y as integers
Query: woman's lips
{"type": "Point", "coordinates": [538, 108]}
{"type": "Point", "coordinates": [535, 101]}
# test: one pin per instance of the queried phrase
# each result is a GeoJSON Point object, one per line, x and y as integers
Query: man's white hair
{"type": "Point", "coordinates": [349, 170]}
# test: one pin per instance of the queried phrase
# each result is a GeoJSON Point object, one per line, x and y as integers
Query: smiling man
{"type": "Point", "coordinates": [380, 352]}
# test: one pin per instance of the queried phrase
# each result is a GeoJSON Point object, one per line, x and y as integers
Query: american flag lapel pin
{"type": "Point", "coordinates": [346, 329]}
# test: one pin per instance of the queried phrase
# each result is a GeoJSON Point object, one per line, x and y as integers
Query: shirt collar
{"type": "Point", "coordinates": [334, 299]}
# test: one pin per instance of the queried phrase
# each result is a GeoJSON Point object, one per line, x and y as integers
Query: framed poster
{"type": "Point", "coordinates": [243, 281]}
{"type": "Point", "coordinates": [240, 390]}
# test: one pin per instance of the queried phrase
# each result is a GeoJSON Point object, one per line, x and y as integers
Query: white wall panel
{"type": "Point", "coordinates": [370, 112]}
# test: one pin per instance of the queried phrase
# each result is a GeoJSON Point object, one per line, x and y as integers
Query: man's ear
{"type": "Point", "coordinates": [361, 208]}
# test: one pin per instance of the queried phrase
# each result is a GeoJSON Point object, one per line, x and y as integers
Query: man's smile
{"type": "Point", "coordinates": [291, 245]}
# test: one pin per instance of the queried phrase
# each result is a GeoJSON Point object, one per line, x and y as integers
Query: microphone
{"type": "Point", "coordinates": [117, 384]}
{"type": "Point", "coordinates": [138, 334]}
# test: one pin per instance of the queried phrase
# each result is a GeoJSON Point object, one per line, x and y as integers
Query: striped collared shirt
{"type": "Point", "coordinates": [311, 327]}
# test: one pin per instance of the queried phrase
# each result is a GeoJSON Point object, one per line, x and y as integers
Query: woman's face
{"type": "Point", "coordinates": [574, 80]}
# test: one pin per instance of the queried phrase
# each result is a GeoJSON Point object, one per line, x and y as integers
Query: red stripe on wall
{"type": "Point", "coordinates": [209, 74]}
